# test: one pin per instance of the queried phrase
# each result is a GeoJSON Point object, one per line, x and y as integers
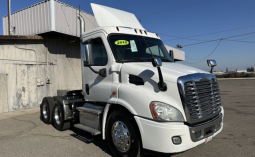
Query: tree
{"type": "Point", "coordinates": [252, 69]}
{"type": "Point", "coordinates": [226, 70]}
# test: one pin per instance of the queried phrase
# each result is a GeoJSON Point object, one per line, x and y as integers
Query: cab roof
{"type": "Point", "coordinates": [121, 30]}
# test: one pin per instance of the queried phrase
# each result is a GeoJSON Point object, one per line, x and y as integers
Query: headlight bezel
{"type": "Point", "coordinates": [155, 116]}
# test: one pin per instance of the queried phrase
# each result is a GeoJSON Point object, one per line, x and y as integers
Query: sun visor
{"type": "Point", "coordinates": [107, 16]}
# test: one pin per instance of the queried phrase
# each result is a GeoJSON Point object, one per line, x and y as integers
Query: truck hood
{"type": "Point", "coordinates": [170, 71]}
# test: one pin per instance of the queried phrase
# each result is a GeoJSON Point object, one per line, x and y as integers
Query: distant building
{"type": "Point", "coordinates": [241, 71]}
{"type": "Point", "coordinates": [178, 54]}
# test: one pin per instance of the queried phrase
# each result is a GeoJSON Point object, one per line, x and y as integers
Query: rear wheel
{"type": "Point", "coordinates": [58, 117]}
{"type": "Point", "coordinates": [122, 135]}
{"type": "Point", "coordinates": [46, 110]}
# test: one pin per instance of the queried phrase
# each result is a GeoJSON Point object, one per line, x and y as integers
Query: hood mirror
{"type": "Point", "coordinates": [171, 53]}
{"type": "Point", "coordinates": [211, 63]}
{"type": "Point", "coordinates": [156, 62]}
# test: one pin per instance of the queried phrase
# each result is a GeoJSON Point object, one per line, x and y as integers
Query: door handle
{"type": "Point", "coordinates": [87, 89]}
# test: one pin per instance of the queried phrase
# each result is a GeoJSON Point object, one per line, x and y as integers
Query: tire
{"type": "Point", "coordinates": [58, 117]}
{"type": "Point", "coordinates": [46, 109]}
{"type": "Point", "coordinates": [122, 125]}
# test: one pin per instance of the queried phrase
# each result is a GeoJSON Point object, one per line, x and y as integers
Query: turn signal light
{"type": "Point", "coordinates": [114, 93]}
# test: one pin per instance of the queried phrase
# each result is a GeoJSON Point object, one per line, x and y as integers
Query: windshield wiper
{"type": "Point", "coordinates": [136, 58]}
{"type": "Point", "coordinates": [164, 59]}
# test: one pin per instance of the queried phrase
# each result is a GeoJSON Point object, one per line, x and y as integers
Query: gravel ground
{"type": "Point", "coordinates": [23, 134]}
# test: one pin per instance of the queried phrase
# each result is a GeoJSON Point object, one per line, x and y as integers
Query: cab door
{"type": "Point", "coordinates": [95, 87]}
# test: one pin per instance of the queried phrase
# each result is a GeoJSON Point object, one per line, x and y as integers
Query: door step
{"type": "Point", "coordinates": [94, 132]}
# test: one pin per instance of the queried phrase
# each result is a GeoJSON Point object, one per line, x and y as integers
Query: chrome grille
{"type": "Point", "coordinates": [200, 96]}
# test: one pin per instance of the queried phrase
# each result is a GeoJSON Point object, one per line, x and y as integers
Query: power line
{"type": "Point", "coordinates": [246, 38]}
{"type": "Point", "coordinates": [174, 8]}
{"type": "Point", "coordinates": [204, 40]}
{"type": "Point", "coordinates": [177, 37]}
{"type": "Point", "coordinates": [243, 41]}
{"type": "Point", "coordinates": [226, 38]}
{"type": "Point", "coordinates": [207, 33]}
{"type": "Point", "coordinates": [204, 58]}
{"type": "Point", "coordinates": [219, 39]}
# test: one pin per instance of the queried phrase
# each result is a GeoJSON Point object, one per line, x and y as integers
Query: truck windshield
{"type": "Point", "coordinates": [131, 48]}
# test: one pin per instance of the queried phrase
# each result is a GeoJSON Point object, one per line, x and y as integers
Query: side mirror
{"type": "Point", "coordinates": [211, 63]}
{"type": "Point", "coordinates": [88, 61]}
{"type": "Point", "coordinates": [156, 62]}
{"type": "Point", "coordinates": [87, 55]}
{"type": "Point", "coordinates": [171, 53]}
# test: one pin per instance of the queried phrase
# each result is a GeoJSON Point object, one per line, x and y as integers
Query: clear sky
{"type": "Point", "coordinates": [187, 22]}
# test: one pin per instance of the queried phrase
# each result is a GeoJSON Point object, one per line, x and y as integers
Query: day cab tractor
{"type": "Point", "coordinates": [134, 94]}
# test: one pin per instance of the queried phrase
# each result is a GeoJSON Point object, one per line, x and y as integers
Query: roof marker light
{"type": "Point", "coordinates": [135, 30]}
{"type": "Point", "coordinates": [156, 34]}
{"type": "Point", "coordinates": [145, 32]}
{"type": "Point", "coordinates": [141, 32]}
{"type": "Point", "coordinates": [117, 28]}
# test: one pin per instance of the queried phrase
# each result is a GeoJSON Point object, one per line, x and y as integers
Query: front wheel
{"type": "Point", "coordinates": [122, 135]}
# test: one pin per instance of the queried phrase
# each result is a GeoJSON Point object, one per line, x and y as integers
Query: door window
{"type": "Point", "coordinates": [99, 52]}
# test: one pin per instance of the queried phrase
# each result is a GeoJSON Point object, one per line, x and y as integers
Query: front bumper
{"type": "Point", "coordinates": [157, 136]}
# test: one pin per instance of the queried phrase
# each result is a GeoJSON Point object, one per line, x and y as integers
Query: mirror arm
{"type": "Point", "coordinates": [97, 72]}
{"type": "Point", "coordinates": [101, 72]}
{"type": "Point", "coordinates": [161, 84]}
{"type": "Point", "coordinates": [211, 70]}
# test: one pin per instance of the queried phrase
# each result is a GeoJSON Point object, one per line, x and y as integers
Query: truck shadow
{"type": "Point", "coordinates": [88, 138]}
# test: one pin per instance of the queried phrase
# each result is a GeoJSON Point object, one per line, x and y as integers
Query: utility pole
{"type": "Point", "coordinates": [9, 16]}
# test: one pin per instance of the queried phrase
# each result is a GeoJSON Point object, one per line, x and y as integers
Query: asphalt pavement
{"type": "Point", "coordinates": [22, 133]}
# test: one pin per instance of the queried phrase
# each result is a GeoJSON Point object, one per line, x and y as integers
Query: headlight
{"type": "Point", "coordinates": [165, 112]}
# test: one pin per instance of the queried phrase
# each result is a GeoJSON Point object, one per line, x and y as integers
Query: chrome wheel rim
{"type": "Point", "coordinates": [57, 115]}
{"type": "Point", "coordinates": [121, 136]}
{"type": "Point", "coordinates": [45, 111]}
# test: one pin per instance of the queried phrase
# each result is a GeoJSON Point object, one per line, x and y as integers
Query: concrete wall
{"type": "Point", "coordinates": [28, 70]}
{"type": "Point", "coordinates": [3, 93]}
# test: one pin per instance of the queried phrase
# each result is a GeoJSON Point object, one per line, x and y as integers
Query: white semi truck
{"type": "Point", "coordinates": [134, 94]}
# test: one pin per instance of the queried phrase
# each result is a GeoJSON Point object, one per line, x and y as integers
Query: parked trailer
{"type": "Point", "coordinates": [133, 93]}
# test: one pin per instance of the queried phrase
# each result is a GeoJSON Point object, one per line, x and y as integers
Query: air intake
{"type": "Point", "coordinates": [136, 80]}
